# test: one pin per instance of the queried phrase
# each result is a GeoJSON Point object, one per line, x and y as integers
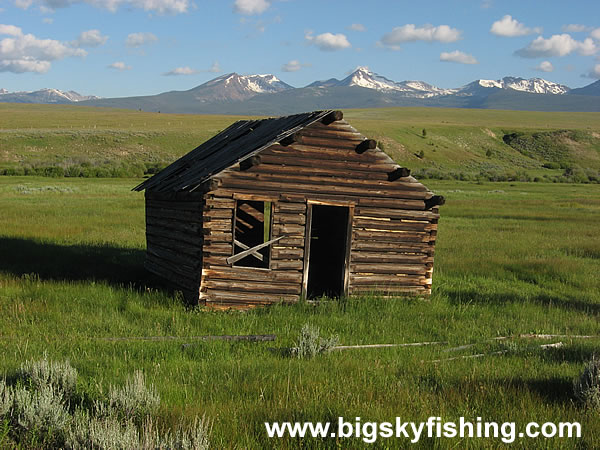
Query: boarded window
{"type": "Point", "coordinates": [252, 227]}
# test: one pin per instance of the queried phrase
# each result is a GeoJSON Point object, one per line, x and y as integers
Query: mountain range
{"type": "Point", "coordinates": [268, 95]}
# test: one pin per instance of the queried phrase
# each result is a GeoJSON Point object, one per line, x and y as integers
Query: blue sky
{"type": "Point", "coordinates": [114, 48]}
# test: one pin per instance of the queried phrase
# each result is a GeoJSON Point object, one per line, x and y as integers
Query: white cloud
{"type": "Point", "coordinates": [10, 30]}
{"type": "Point", "coordinates": [427, 33]}
{"type": "Point", "coordinates": [487, 4]}
{"type": "Point", "coordinates": [328, 41]}
{"type": "Point", "coordinates": [21, 53]}
{"type": "Point", "coordinates": [48, 20]}
{"type": "Point", "coordinates": [215, 68]}
{"type": "Point", "coordinates": [574, 28]}
{"type": "Point", "coordinates": [181, 71]}
{"type": "Point", "coordinates": [557, 45]}
{"type": "Point", "coordinates": [595, 72]}
{"type": "Point", "coordinates": [545, 66]}
{"type": "Point", "coordinates": [119, 65]}
{"type": "Point", "coordinates": [159, 6]}
{"type": "Point", "coordinates": [595, 34]}
{"type": "Point", "coordinates": [293, 66]}
{"type": "Point", "coordinates": [251, 7]}
{"type": "Point", "coordinates": [357, 27]}
{"type": "Point", "coordinates": [90, 38]}
{"type": "Point", "coordinates": [458, 57]}
{"type": "Point", "coordinates": [139, 39]}
{"type": "Point", "coordinates": [509, 27]}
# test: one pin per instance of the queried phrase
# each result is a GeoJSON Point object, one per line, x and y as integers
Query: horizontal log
{"type": "Point", "coordinates": [314, 187]}
{"type": "Point", "coordinates": [320, 153]}
{"type": "Point", "coordinates": [332, 117]}
{"type": "Point", "coordinates": [178, 196]}
{"type": "Point", "coordinates": [183, 238]}
{"type": "Point", "coordinates": [359, 166]}
{"type": "Point", "coordinates": [287, 253]}
{"type": "Point", "coordinates": [284, 207]}
{"type": "Point", "coordinates": [285, 264]}
{"type": "Point", "coordinates": [288, 229]}
{"type": "Point", "coordinates": [386, 279]}
{"type": "Point", "coordinates": [392, 203]}
{"type": "Point", "coordinates": [340, 125]}
{"type": "Point", "coordinates": [249, 162]}
{"type": "Point", "coordinates": [249, 274]}
{"type": "Point", "coordinates": [398, 173]}
{"type": "Point", "coordinates": [346, 172]}
{"type": "Point", "coordinates": [287, 218]}
{"type": "Point", "coordinates": [216, 260]}
{"type": "Point", "coordinates": [390, 258]}
{"type": "Point", "coordinates": [392, 225]}
{"type": "Point", "coordinates": [389, 236]}
{"type": "Point", "coordinates": [222, 296]}
{"type": "Point", "coordinates": [400, 247]}
{"type": "Point", "coordinates": [416, 269]}
{"type": "Point", "coordinates": [185, 264]}
{"type": "Point", "coordinates": [389, 290]}
{"type": "Point", "coordinates": [291, 241]}
{"type": "Point", "coordinates": [363, 146]}
{"type": "Point", "coordinates": [219, 203]}
{"type": "Point", "coordinates": [191, 229]}
{"type": "Point", "coordinates": [395, 213]}
{"type": "Point", "coordinates": [221, 213]}
{"type": "Point", "coordinates": [209, 284]}
{"type": "Point", "coordinates": [224, 225]}
{"type": "Point", "coordinates": [434, 201]}
{"type": "Point", "coordinates": [331, 133]}
{"type": "Point", "coordinates": [172, 273]}
{"type": "Point", "coordinates": [171, 214]}
{"type": "Point", "coordinates": [217, 237]}
{"type": "Point", "coordinates": [184, 247]}
{"type": "Point", "coordinates": [306, 178]}
{"type": "Point", "coordinates": [193, 207]}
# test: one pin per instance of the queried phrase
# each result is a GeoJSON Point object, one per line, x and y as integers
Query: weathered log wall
{"type": "Point", "coordinates": [174, 238]}
{"type": "Point", "coordinates": [393, 235]}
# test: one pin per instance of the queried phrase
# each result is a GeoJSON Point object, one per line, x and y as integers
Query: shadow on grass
{"type": "Point", "coordinates": [552, 390]}
{"type": "Point", "coordinates": [95, 263]}
{"type": "Point", "coordinates": [566, 302]}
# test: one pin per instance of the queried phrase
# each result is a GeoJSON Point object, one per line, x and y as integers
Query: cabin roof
{"type": "Point", "coordinates": [242, 140]}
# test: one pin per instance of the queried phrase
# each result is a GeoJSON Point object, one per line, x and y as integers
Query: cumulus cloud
{"type": "Point", "coordinates": [90, 38]}
{"type": "Point", "coordinates": [328, 41]}
{"type": "Point", "coordinates": [594, 73]}
{"type": "Point", "coordinates": [545, 66]}
{"type": "Point", "coordinates": [119, 65]}
{"type": "Point", "coordinates": [251, 7]}
{"type": "Point", "coordinates": [458, 57]}
{"type": "Point", "coordinates": [139, 39]}
{"type": "Point", "coordinates": [181, 71]}
{"type": "Point", "coordinates": [293, 66]}
{"type": "Point", "coordinates": [509, 27]}
{"type": "Point", "coordinates": [158, 6]}
{"type": "Point", "coordinates": [557, 45]}
{"type": "Point", "coordinates": [215, 68]}
{"type": "Point", "coordinates": [412, 33]}
{"type": "Point", "coordinates": [595, 34]}
{"type": "Point", "coordinates": [357, 27]}
{"type": "Point", "coordinates": [574, 28]}
{"type": "Point", "coordinates": [21, 52]}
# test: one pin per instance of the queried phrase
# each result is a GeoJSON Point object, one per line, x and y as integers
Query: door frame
{"type": "Point", "coordinates": [307, 235]}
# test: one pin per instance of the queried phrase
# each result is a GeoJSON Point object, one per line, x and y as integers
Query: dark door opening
{"type": "Point", "coordinates": [327, 252]}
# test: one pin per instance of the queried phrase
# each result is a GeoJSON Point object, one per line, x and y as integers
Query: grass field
{"type": "Point", "coordinates": [511, 258]}
{"type": "Point", "coordinates": [458, 143]}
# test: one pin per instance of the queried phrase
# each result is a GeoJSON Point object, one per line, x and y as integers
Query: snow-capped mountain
{"type": "Point", "coordinates": [238, 87]}
{"type": "Point", "coordinates": [44, 96]}
{"type": "Point", "coordinates": [532, 85]}
{"type": "Point", "coordinates": [363, 77]}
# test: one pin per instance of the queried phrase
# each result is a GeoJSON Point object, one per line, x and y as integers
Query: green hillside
{"type": "Point", "coordinates": [433, 142]}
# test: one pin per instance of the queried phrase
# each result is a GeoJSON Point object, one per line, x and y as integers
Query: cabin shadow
{"type": "Point", "coordinates": [116, 266]}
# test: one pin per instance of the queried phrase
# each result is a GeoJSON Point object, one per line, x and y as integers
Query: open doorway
{"type": "Point", "coordinates": [327, 250]}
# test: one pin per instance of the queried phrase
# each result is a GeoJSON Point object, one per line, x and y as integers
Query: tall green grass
{"type": "Point", "coordinates": [511, 258]}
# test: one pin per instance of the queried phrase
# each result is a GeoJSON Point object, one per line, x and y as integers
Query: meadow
{"type": "Point", "coordinates": [439, 143]}
{"type": "Point", "coordinates": [512, 258]}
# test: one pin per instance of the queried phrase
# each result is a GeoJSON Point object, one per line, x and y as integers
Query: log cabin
{"type": "Point", "coordinates": [281, 209]}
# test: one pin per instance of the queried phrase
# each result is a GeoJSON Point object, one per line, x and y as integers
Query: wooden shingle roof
{"type": "Point", "coordinates": [240, 141]}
